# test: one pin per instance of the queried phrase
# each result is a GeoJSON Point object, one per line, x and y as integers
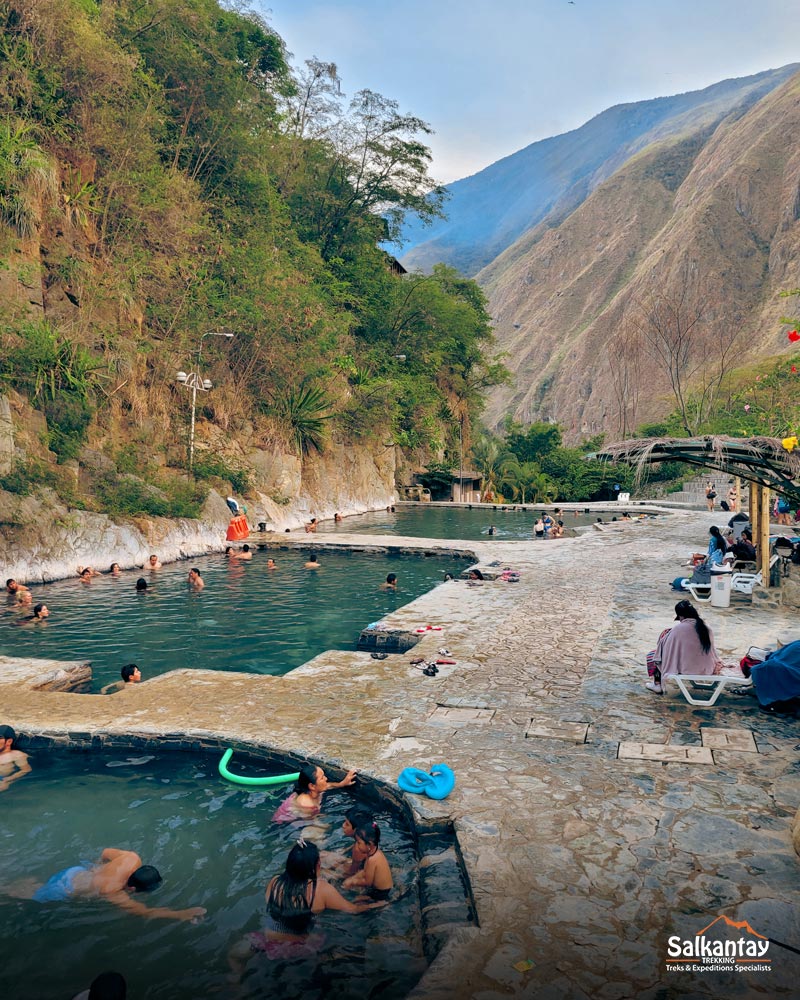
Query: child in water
{"type": "Point", "coordinates": [376, 876]}
{"type": "Point", "coordinates": [342, 864]}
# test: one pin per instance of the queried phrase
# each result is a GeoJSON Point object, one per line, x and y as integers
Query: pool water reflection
{"type": "Point", "coordinates": [215, 847]}
{"type": "Point", "coordinates": [246, 618]}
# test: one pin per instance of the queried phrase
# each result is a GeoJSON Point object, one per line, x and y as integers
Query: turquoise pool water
{"type": "Point", "coordinates": [425, 521]}
{"type": "Point", "coordinates": [215, 847]}
{"type": "Point", "coordinates": [247, 618]}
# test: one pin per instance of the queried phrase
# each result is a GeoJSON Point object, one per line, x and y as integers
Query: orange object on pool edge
{"type": "Point", "coordinates": [238, 529]}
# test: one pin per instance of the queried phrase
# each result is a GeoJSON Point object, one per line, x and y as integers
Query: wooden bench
{"type": "Point", "coordinates": [712, 684]}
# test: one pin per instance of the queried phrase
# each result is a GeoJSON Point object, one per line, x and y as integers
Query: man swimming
{"type": "Point", "coordinates": [13, 763]}
{"type": "Point", "coordinates": [130, 674]}
{"type": "Point", "coordinates": [194, 580]}
{"type": "Point", "coordinates": [115, 877]}
{"type": "Point", "coordinates": [14, 589]}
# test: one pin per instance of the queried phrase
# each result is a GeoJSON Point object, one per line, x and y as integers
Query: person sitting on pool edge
{"type": "Point", "coordinates": [312, 561]}
{"type": "Point", "coordinates": [14, 764]}
{"type": "Point", "coordinates": [116, 875]}
{"type": "Point", "coordinates": [194, 580]}
{"type": "Point", "coordinates": [305, 801]}
{"type": "Point", "coordinates": [130, 674]}
{"type": "Point", "coordinates": [391, 582]}
{"type": "Point", "coordinates": [311, 527]}
{"type": "Point", "coordinates": [376, 876]}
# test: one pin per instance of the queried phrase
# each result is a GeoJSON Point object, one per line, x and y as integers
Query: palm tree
{"type": "Point", "coordinates": [490, 454]}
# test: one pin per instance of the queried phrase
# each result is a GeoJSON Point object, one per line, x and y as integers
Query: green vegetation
{"type": "Point", "coordinates": [184, 178]}
{"type": "Point", "coordinates": [130, 496]}
{"type": "Point", "coordinates": [530, 464]}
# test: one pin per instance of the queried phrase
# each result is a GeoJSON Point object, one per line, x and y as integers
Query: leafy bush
{"type": "Point", "coordinates": [210, 466]}
{"type": "Point", "coordinates": [128, 496]}
{"type": "Point", "coordinates": [26, 477]}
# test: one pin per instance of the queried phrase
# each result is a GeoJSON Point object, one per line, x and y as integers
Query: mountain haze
{"type": "Point", "coordinates": [722, 199]}
{"type": "Point", "coordinates": [488, 211]}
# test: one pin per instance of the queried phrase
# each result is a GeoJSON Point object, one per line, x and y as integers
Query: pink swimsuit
{"type": "Point", "coordinates": [289, 812]}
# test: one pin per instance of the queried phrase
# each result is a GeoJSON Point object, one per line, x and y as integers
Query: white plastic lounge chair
{"type": "Point", "coordinates": [712, 684]}
{"type": "Point", "coordinates": [744, 582]}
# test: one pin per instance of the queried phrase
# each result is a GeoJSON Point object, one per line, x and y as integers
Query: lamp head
{"type": "Point", "coordinates": [207, 383]}
{"type": "Point", "coordinates": [181, 376]}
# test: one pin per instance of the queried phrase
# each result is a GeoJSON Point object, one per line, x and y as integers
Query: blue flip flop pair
{"type": "Point", "coordinates": [436, 784]}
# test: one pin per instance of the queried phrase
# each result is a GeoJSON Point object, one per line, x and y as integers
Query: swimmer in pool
{"type": "Point", "coordinates": [271, 564]}
{"type": "Point", "coordinates": [130, 674]}
{"type": "Point", "coordinates": [305, 801]}
{"type": "Point", "coordinates": [391, 582]}
{"type": "Point", "coordinates": [376, 876]}
{"type": "Point", "coordinates": [13, 590]}
{"type": "Point", "coordinates": [41, 613]}
{"type": "Point", "coordinates": [152, 563]}
{"type": "Point", "coordinates": [312, 561]}
{"type": "Point", "coordinates": [344, 864]}
{"type": "Point", "coordinates": [141, 585]}
{"type": "Point", "coordinates": [244, 554]}
{"type": "Point", "coordinates": [294, 898]}
{"type": "Point", "coordinates": [194, 580]}
{"type": "Point", "coordinates": [115, 877]}
{"type": "Point", "coordinates": [14, 764]}
{"type": "Point", "coordinates": [115, 570]}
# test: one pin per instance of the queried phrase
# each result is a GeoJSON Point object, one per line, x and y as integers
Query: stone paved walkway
{"type": "Point", "coordinates": [581, 863]}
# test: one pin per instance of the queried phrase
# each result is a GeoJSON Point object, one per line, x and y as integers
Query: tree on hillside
{"type": "Point", "coordinates": [625, 351]}
{"type": "Point", "coordinates": [531, 443]}
{"type": "Point", "coordinates": [693, 353]}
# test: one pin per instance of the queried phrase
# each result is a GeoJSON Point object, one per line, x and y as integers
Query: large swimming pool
{"type": "Point", "coordinates": [247, 618]}
{"type": "Point", "coordinates": [216, 847]}
{"type": "Point", "coordinates": [434, 521]}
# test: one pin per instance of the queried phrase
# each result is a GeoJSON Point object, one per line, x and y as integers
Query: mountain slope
{"type": "Point", "coordinates": [725, 199]}
{"type": "Point", "coordinates": [490, 210]}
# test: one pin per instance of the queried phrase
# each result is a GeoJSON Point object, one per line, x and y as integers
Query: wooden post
{"type": "Point", "coordinates": [755, 523]}
{"type": "Point", "coordinates": [737, 485]}
{"type": "Point", "coordinates": [763, 536]}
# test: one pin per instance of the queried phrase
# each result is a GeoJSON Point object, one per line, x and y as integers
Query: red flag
{"type": "Point", "coordinates": [793, 335]}
{"type": "Point", "coordinates": [794, 369]}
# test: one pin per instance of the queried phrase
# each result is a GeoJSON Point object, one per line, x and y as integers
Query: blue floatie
{"type": "Point", "coordinates": [436, 785]}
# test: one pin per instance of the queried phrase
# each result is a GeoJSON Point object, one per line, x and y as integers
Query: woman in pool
{"type": "Point", "coordinates": [115, 570]}
{"type": "Point", "coordinates": [294, 899]}
{"type": "Point", "coordinates": [305, 801]}
{"type": "Point", "coordinates": [376, 876]}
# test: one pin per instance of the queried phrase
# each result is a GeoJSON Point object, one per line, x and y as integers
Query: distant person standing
{"type": "Point", "coordinates": [711, 495]}
{"type": "Point", "coordinates": [733, 498]}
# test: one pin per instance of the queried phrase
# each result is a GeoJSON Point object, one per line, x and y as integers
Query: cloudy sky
{"type": "Point", "coordinates": [492, 76]}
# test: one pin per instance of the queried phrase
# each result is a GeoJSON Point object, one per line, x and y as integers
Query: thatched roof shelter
{"type": "Point", "coordinates": [761, 460]}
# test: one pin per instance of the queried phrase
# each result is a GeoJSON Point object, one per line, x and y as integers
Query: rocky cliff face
{"type": "Point", "coordinates": [722, 201]}
{"type": "Point", "coordinates": [547, 180]}
{"type": "Point", "coordinates": [42, 539]}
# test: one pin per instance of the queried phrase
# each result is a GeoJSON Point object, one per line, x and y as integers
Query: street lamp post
{"type": "Point", "coordinates": [461, 458]}
{"type": "Point", "coordinates": [196, 382]}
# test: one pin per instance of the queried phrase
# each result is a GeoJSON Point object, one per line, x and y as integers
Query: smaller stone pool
{"type": "Point", "coordinates": [216, 847]}
{"type": "Point", "coordinates": [468, 524]}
